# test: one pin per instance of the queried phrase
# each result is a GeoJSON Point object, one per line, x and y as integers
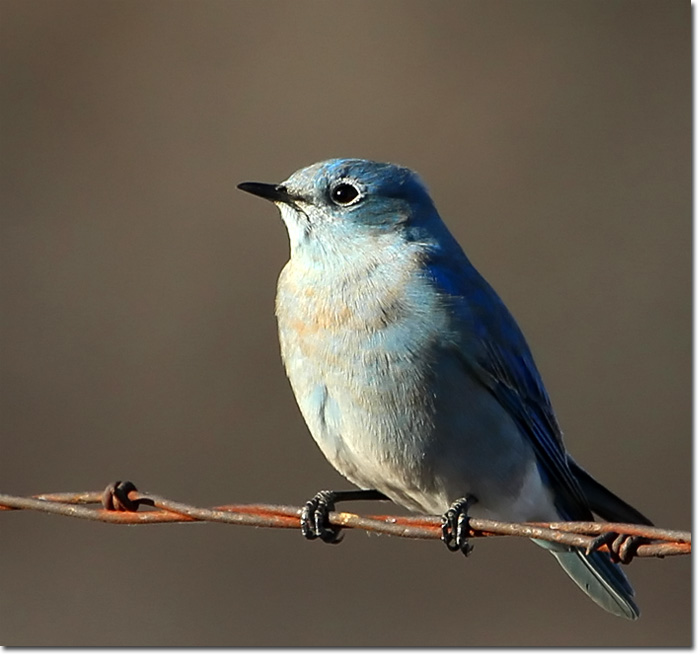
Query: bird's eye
{"type": "Point", "coordinates": [344, 193]}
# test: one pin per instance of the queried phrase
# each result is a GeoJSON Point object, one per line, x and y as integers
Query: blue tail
{"type": "Point", "coordinates": [600, 578]}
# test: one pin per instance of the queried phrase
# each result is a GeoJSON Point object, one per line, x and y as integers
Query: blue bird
{"type": "Point", "coordinates": [412, 375]}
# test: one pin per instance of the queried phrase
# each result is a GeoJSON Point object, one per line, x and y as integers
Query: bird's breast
{"type": "Point", "coordinates": [357, 349]}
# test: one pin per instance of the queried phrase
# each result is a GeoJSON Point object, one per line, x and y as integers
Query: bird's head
{"type": "Point", "coordinates": [349, 201]}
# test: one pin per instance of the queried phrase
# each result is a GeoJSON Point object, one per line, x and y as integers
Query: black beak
{"type": "Point", "coordinates": [273, 192]}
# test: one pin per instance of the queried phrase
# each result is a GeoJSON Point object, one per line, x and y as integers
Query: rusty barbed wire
{"type": "Point", "coordinates": [623, 541]}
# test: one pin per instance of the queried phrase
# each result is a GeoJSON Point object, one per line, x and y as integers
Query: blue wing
{"type": "Point", "coordinates": [512, 378]}
{"type": "Point", "coordinates": [490, 344]}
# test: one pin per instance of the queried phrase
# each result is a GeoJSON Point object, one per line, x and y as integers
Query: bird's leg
{"type": "Point", "coordinates": [314, 515]}
{"type": "Point", "coordinates": [455, 525]}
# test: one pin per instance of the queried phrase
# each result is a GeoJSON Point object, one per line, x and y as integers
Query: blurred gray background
{"type": "Point", "coordinates": [138, 334]}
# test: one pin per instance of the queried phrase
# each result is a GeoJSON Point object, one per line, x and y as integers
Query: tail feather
{"type": "Point", "coordinates": [600, 578]}
{"type": "Point", "coordinates": [603, 501]}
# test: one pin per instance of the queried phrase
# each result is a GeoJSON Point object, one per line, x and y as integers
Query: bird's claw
{"type": "Point", "coordinates": [455, 526]}
{"type": "Point", "coordinates": [314, 519]}
{"type": "Point", "coordinates": [622, 547]}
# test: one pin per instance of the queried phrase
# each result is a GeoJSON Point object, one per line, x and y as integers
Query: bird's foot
{"type": "Point", "coordinates": [455, 526]}
{"type": "Point", "coordinates": [314, 518]}
{"type": "Point", "coordinates": [622, 547]}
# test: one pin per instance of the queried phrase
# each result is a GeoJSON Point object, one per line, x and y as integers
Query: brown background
{"type": "Point", "coordinates": [138, 336]}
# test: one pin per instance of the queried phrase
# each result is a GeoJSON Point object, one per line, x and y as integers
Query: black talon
{"type": "Point", "coordinates": [314, 518]}
{"type": "Point", "coordinates": [455, 526]}
{"type": "Point", "coordinates": [314, 515]}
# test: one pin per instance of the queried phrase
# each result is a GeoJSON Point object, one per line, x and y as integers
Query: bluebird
{"type": "Point", "coordinates": [413, 377]}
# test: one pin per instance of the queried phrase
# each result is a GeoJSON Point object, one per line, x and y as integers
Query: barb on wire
{"type": "Point", "coordinates": [121, 501]}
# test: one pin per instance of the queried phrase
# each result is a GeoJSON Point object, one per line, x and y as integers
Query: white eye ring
{"type": "Point", "coordinates": [345, 193]}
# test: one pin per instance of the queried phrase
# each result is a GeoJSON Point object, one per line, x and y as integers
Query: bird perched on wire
{"type": "Point", "coordinates": [412, 375]}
